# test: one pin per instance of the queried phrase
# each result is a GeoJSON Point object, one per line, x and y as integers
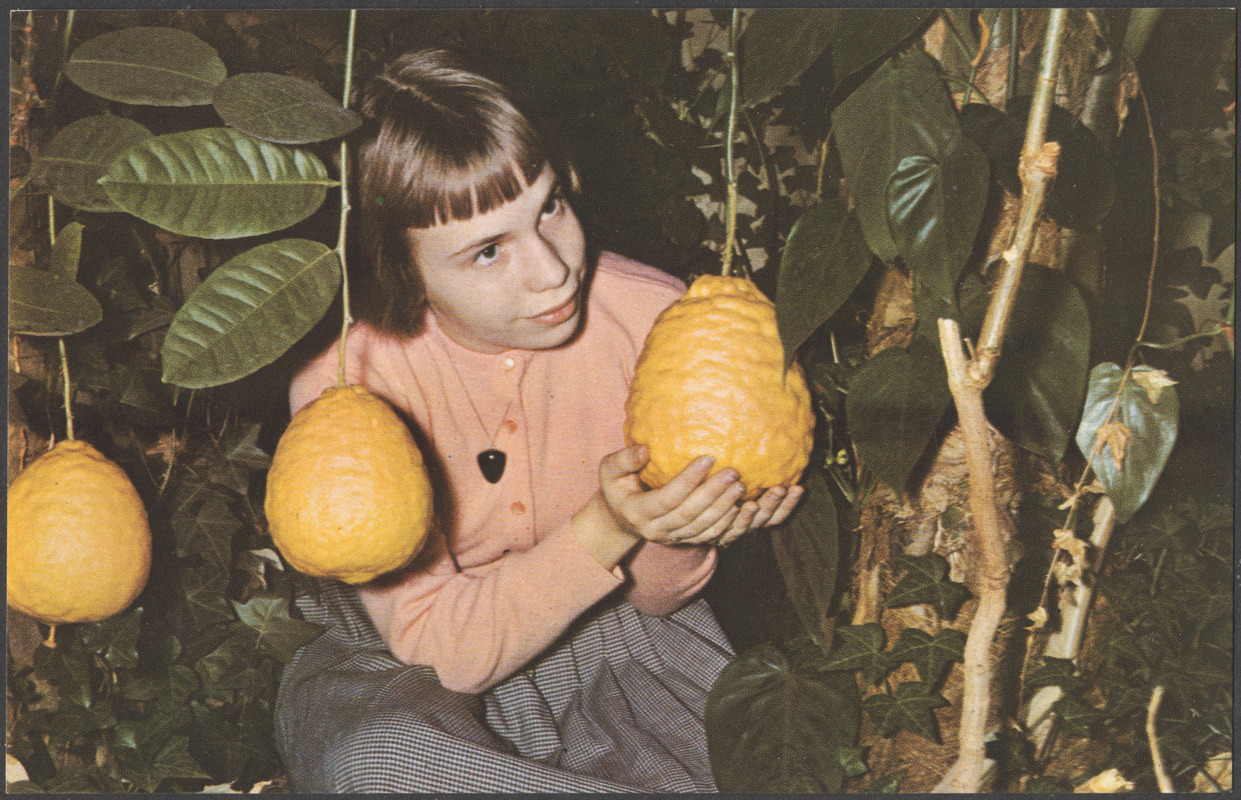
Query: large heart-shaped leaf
{"type": "Point", "coordinates": [150, 66]}
{"type": "Point", "coordinates": [807, 549]}
{"type": "Point", "coordinates": [217, 183]}
{"type": "Point", "coordinates": [824, 260]}
{"type": "Point", "coordinates": [1040, 381]}
{"type": "Point", "coordinates": [901, 111]}
{"type": "Point", "coordinates": [1139, 437]}
{"type": "Point", "coordinates": [895, 402]}
{"type": "Point", "coordinates": [778, 45]}
{"type": "Point", "coordinates": [774, 726]}
{"type": "Point", "coordinates": [43, 304]}
{"type": "Point", "coordinates": [249, 311]}
{"type": "Point", "coordinates": [935, 203]}
{"type": "Point", "coordinates": [866, 34]}
{"type": "Point", "coordinates": [281, 108]}
{"type": "Point", "coordinates": [72, 163]}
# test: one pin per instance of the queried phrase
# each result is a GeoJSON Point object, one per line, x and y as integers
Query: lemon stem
{"type": "Point", "coordinates": [50, 641]}
{"type": "Point", "coordinates": [346, 318]}
{"type": "Point", "coordinates": [60, 342]}
{"type": "Point", "coordinates": [730, 213]}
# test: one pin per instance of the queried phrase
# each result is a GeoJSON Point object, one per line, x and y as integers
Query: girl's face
{"type": "Point", "coordinates": [510, 278]}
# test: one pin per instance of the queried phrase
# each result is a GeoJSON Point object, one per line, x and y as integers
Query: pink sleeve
{"type": "Point", "coordinates": [478, 626]}
{"type": "Point", "coordinates": [667, 578]}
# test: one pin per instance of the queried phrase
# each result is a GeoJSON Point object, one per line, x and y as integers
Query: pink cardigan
{"type": "Point", "coordinates": [503, 575]}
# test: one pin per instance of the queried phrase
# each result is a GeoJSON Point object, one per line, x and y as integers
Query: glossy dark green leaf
{"type": "Point", "coordinates": [150, 66]}
{"type": "Point", "coordinates": [895, 402]}
{"type": "Point", "coordinates": [778, 45]}
{"type": "Point", "coordinates": [67, 251]}
{"type": "Point", "coordinates": [807, 549]}
{"type": "Point", "coordinates": [909, 708]}
{"type": "Point", "coordinates": [932, 655]}
{"type": "Point", "coordinates": [1040, 379]}
{"type": "Point", "coordinates": [67, 668]}
{"type": "Point", "coordinates": [1053, 671]}
{"type": "Point", "coordinates": [78, 155]}
{"type": "Point", "coordinates": [901, 111]}
{"type": "Point", "coordinates": [204, 597]}
{"type": "Point", "coordinates": [935, 203]}
{"type": "Point", "coordinates": [853, 760]}
{"type": "Point", "coordinates": [864, 35]}
{"type": "Point", "coordinates": [282, 109]}
{"type": "Point", "coordinates": [209, 532]}
{"type": "Point", "coordinates": [926, 581]}
{"type": "Point", "coordinates": [175, 761]}
{"type": "Point", "coordinates": [44, 304]}
{"type": "Point", "coordinates": [860, 648]}
{"type": "Point", "coordinates": [230, 672]}
{"type": "Point", "coordinates": [249, 311]}
{"type": "Point", "coordinates": [824, 259]}
{"type": "Point", "coordinates": [1076, 718]}
{"type": "Point", "coordinates": [216, 183]}
{"type": "Point", "coordinates": [1150, 429]}
{"type": "Point", "coordinates": [115, 639]}
{"type": "Point", "coordinates": [279, 635]}
{"type": "Point", "coordinates": [775, 727]}
{"type": "Point", "coordinates": [239, 457]}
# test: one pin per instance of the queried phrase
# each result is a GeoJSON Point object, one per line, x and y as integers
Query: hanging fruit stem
{"type": "Point", "coordinates": [730, 213]}
{"type": "Point", "coordinates": [50, 641]}
{"type": "Point", "coordinates": [60, 341]}
{"type": "Point", "coordinates": [346, 318]}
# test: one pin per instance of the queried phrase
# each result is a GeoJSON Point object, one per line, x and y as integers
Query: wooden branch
{"type": "Point", "coordinates": [1161, 773]}
{"type": "Point", "coordinates": [990, 528]}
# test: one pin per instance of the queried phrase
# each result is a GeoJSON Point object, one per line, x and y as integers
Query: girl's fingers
{"type": "Point", "coordinates": [767, 505]}
{"type": "Point", "coordinates": [711, 521]}
{"type": "Point", "coordinates": [717, 529]}
{"type": "Point", "coordinates": [682, 499]}
{"type": "Point", "coordinates": [627, 461]}
{"type": "Point", "coordinates": [786, 505]}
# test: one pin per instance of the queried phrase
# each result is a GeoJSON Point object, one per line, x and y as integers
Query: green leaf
{"type": "Point", "coordinates": [78, 155]}
{"type": "Point", "coordinates": [249, 311]}
{"type": "Point", "coordinates": [807, 549]}
{"type": "Point", "coordinates": [926, 581]}
{"type": "Point", "coordinates": [239, 457]}
{"type": "Point", "coordinates": [1048, 784]}
{"type": "Point", "coordinates": [1040, 381]}
{"type": "Point", "coordinates": [1053, 671]}
{"type": "Point", "coordinates": [115, 639]}
{"type": "Point", "coordinates": [894, 404]}
{"type": "Point", "coordinates": [935, 202]}
{"type": "Point", "coordinates": [209, 532]}
{"type": "Point", "coordinates": [932, 655]}
{"type": "Point", "coordinates": [824, 259]}
{"type": "Point", "coordinates": [1012, 751]}
{"type": "Point", "coordinates": [216, 183]}
{"type": "Point", "coordinates": [853, 760]}
{"type": "Point", "coordinates": [910, 708]}
{"type": "Point", "coordinates": [778, 45]}
{"type": "Point", "coordinates": [888, 784]}
{"type": "Point", "coordinates": [175, 761]}
{"type": "Point", "coordinates": [279, 634]}
{"type": "Point", "coordinates": [67, 251]}
{"type": "Point", "coordinates": [902, 111]}
{"type": "Point", "coordinates": [866, 34]}
{"type": "Point", "coordinates": [44, 304]}
{"type": "Point", "coordinates": [204, 595]}
{"type": "Point", "coordinates": [773, 726]}
{"type": "Point", "coordinates": [230, 671]}
{"type": "Point", "coordinates": [1076, 718]}
{"type": "Point", "coordinates": [150, 66]}
{"type": "Point", "coordinates": [1151, 430]}
{"type": "Point", "coordinates": [67, 668]}
{"type": "Point", "coordinates": [861, 648]}
{"type": "Point", "coordinates": [282, 109]}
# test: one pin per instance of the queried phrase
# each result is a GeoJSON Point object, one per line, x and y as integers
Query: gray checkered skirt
{"type": "Point", "coordinates": [616, 704]}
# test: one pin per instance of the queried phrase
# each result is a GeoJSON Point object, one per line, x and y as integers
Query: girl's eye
{"type": "Point", "coordinates": [553, 206]}
{"type": "Point", "coordinates": [487, 254]}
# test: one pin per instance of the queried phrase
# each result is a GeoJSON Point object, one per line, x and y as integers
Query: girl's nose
{"type": "Point", "coordinates": [547, 270]}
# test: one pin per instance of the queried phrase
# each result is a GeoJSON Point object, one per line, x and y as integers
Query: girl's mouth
{"type": "Point", "coordinates": [559, 314]}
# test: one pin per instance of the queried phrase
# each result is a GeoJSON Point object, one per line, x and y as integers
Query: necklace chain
{"type": "Point", "coordinates": [492, 440]}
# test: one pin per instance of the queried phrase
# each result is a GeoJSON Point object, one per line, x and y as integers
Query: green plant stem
{"type": "Point", "coordinates": [60, 341]}
{"type": "Point", "coordinates": [730, 218]}
{"type": "Point", "coordinates": [1038, 160]}
{"type": "Point", "coordinates": [346, 317]}
{"type": "Point", "coordinates": [1014, 53]}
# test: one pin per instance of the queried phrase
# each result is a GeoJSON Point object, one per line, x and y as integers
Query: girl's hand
{"type": "Point", "coordinates": [691, 508]}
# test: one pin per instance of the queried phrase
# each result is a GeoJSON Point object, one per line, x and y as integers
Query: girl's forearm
{"type": "Point", "coordinates": [599, 535]}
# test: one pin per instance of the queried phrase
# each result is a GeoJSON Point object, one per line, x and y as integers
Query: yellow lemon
{"type": "Point", "coordinates": [348, 495]}
{"type": "Point", "coordinates": [711, 381]}
{"type": "Point", "coordinates": [79, 544]}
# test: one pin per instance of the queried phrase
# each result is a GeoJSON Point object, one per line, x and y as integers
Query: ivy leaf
{"type": "Point", "coordinates": [894, 404]}
{"type": "Point", "coordinates": [853, 760]}
{"type": "Point", "coordinates": [1076, 718]}
{"type": "Point", "coordinates": [1053, 671]}
{"type": "Point", "coordinates": [115, 639]}
{"type": "Point", "coordinates": [930, 654]}
{"type": "Point", "coordinates": [279, 635]}
{"type": "Point", "coordinates": [204, 596]}
{"type": "Point", "coordinates": [67, 668]}
{"type": "Point", "coordinates": [1150, 430]}
{"type": "Point", "coordinates": [861, 648]}
{"type": "Point", "coordinates": [909, 708]}
{"type": "Point", "coordinates": [175, 761]}
{"type": "Point", "coordinates": [239, 458]}
{"type": "Point", "coordinates": [926, 581]}
{"type": "Point", "coordinates": [775, 726]}
{"type": "Point", "coordinates": [230, 671]}
{"type": "Point", "coordinates": [824, 259]}
{"type": "Point", "coordinates": [807, 550]}
{"type": "Point", "coordinates": [864, 35]}
{"type": "Point", "coordinates": [1012, 752]}
{"type": "Point", "coordinates": [209, 531]}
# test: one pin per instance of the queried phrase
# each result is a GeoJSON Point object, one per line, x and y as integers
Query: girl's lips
{"type": "Point", "coordinates": [559, 314]}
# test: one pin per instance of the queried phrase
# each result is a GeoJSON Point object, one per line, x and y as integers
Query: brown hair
{"type": "Point", "coordinates": [440, 143]}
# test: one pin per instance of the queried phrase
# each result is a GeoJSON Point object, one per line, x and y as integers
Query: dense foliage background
{"type": "Point", "coordinates": [176, 694]}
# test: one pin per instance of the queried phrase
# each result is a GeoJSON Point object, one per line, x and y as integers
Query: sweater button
{"type": "Point", "coordinates": [509, 425]}
{"type": "Point", "coordinates": [518, 508]}
{"type": "Point", "coordinates": [508, 363]}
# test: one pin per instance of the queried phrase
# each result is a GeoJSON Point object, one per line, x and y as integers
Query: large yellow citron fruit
{"type": "Point", "coordinates": [79, 544]}
{"type": "Point", "coordinates": [711, 381]}
{"type": "Point", "coordinates": [348, 495]}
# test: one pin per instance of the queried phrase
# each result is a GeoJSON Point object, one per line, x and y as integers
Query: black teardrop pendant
{"type": "Point", "coordinates": [491, 464]}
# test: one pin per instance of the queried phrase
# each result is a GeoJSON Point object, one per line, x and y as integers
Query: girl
{"type": "Point", "coordinates": [549, 637]}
